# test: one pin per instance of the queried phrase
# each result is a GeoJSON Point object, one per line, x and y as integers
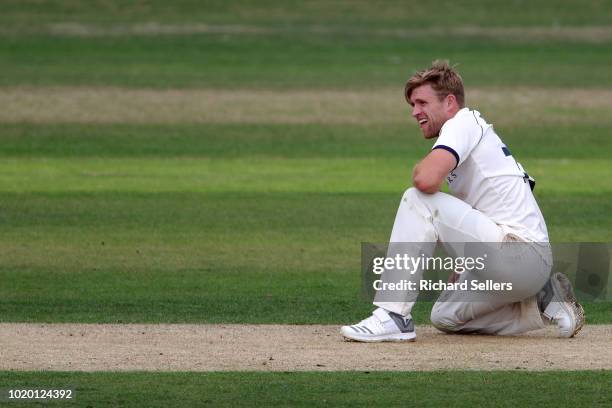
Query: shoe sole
{"type": "Point", "coordinates": [569, 304]}
{"type": "Point", "coordinates": [580, 319]}
{"type": "Point", "coordinates": [399, 337]}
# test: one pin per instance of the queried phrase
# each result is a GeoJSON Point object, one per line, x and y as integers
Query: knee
{"type": "Point", "coordinates": [413, 196]}
{"type": "Point", "coordinates": [411, 193]}
{"type": "Point", "coordinates": [443, 320]}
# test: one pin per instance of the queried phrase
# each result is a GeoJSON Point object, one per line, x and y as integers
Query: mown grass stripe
{"type": "Point", "coordinates": [580, 34]}
{"type": "Point", "coordinates": [287, 14]}
{"type": "Point", "coordinates": [65, 140]}
{"type": "Point", "coordinates": [224, 61]}
{"type": "Point", "coordinates": [107, 105]}
{"type": "Point", "coordinates": [265, 174]}
{"type": "Point", "coordinates": [463, 388]}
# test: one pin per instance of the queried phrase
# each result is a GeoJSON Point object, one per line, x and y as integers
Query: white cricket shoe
{"type": "Point", "coordinates": [381, 326]}
{"type": "Point", "coordinates": [558, 304]}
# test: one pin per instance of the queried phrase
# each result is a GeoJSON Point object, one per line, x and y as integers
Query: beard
{"type": "Point", "coordinates": [432, 128]}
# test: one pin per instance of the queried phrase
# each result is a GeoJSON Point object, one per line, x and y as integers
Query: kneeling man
{"type": "Point", "coordinates": [491, 202]}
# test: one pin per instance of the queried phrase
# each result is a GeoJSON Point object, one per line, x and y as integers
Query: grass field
{"type": "Point", "coordinates": [587, 388]}
{"type": "Point", "coordinates": [223, 163]}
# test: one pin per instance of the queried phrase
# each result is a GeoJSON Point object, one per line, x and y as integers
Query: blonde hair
{"type": "Point", "coordinates": [442, 78]}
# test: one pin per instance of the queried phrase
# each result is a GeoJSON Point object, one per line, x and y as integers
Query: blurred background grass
{"type": "Point", "coordinates": [223, 161]}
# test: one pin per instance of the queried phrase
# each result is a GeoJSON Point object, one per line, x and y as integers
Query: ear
{"type": "Point", "coordinates": [451, 101]}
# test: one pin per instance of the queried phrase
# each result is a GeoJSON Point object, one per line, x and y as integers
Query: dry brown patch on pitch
{"type": "Point", "coordinates": [99, 347]}
{"type": "Point", "coordinates": [120, 105]}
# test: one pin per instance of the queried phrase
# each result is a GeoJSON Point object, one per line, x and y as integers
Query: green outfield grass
{"type": "Point", "coordinates": [293, 61]}
{"type": "Point", "coordinates": [288, 141]}
{"type": "Point", "coordinates": [468, 389]}
{"type": "Point", "coordinates": [284, 45]}
{"type": "Point", "coordinates": [226, 220]}
{"type": "Point", "coordinates": [397, 13]}
{"type": "Point", "coordinates": [235, 223]}
{"type": "Point", "coordinates": [294, 13]}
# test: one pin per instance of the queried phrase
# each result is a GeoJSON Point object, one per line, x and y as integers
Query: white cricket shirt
{"type": "Point", "coordinates": [488, 178]}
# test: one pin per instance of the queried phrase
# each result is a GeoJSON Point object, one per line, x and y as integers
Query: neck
{"type": "Point", "coordinates": [453, 111]}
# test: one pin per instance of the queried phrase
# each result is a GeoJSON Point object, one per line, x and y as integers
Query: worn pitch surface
{"type": "Point", "coordinates": [162, 347]}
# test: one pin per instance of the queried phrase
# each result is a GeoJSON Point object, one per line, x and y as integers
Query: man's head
{"type": "Point", "coordinates": [435, 94]}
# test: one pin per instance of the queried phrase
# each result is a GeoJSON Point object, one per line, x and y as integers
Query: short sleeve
{"type": "Point", "coordinates": [459, 136]}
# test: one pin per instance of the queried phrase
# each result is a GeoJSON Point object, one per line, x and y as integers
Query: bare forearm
{"type": "Point", "coordinates": [429, 174]}
{"type": "Point", "coordinates": [424, 182]}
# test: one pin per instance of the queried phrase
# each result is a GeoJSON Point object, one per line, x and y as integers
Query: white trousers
{"type": "Point", "coordinates": [432, 218]}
